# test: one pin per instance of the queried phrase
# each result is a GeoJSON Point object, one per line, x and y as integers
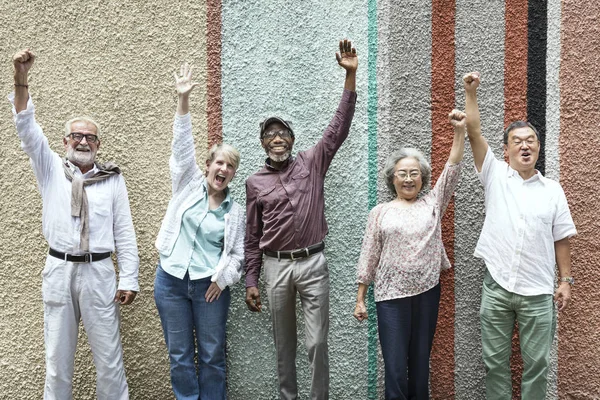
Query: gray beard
{"type": "Point", "coordinates": [80, 159]}
{"type": "Point", "coordinates": [280, 158]}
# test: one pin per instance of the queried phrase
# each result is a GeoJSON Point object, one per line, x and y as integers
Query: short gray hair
{"type": "Point", "coordinates": [81, 119]}
{"type": "Point", "coordinates": [392, 160]}
{"type": "Point", "coordinates": [228, 151]}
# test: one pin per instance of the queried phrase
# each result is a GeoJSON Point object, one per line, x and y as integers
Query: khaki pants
{"type": "Point", "coordinates": [310, 278]}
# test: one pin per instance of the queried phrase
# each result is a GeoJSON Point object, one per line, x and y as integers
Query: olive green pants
{"type": "Point", "coordinates": [537, 323]}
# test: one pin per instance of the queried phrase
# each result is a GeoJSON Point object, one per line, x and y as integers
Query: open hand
{"type": "Point", "coordinates": [347, 57]}
{"type": "Point", "coordinates": [213, 292]}
{"type": "Point", "coordinates": [183, 81]}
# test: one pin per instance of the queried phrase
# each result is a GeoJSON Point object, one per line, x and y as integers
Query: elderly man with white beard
{"type": "Point", "coordinates": [85, 218]}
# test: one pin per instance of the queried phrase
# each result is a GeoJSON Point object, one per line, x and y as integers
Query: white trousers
{"type": "Point", "coordinates": [82, 291]}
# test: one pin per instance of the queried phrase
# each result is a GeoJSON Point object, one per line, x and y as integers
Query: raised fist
{"type": "Point", "coordinates": [22, 61]}
{"type": "Point", "coordinates": [458, 119]}
{"type": "Point", "coordinates": [471, 81]}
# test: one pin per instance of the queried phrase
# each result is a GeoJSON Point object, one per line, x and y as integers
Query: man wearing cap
{"type": "Point", "coordinates": [286, 223]}
{"type": "Point", "coordinates": [525, 236]}
{"type": "Point", "coordinates": [85, 217]}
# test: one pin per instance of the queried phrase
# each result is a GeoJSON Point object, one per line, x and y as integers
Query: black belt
{"type": "Point", "coordinates": [83, 258]}
{"type": "Point", "coordinates": [296, 254]}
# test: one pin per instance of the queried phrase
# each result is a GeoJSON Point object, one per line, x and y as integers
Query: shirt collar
{"type": "Point", "coordinates": [226, 204]}
{"type": "Point", "coordinates": [75, 169]}
{"type": "Point", "coordinates": [286, 163]}
{"type": "Point", "coordinates": [512, 173]}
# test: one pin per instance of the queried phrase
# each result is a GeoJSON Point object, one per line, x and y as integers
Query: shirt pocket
{"type": "Point", "coordinates": [301, 180]}
{"type": "Point", "coordinates": [268, 198]}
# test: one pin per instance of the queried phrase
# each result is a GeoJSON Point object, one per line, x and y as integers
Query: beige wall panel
{"type": "Point", "coordinates": [113, 61]}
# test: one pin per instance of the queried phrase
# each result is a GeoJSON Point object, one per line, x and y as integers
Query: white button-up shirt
{"type": "Point", "coordinates": [110, 220]}
{"type": "Point", "coordinates": [523, 220]}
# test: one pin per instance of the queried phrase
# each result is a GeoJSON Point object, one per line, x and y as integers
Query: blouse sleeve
{"type": "Point", "coordinates": [446, 184]}
{"type": "Point", "coordinates": [371, 249]}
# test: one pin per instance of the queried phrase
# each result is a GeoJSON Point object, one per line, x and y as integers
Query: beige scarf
{"type": "Point", "coordinates": [79, 202]}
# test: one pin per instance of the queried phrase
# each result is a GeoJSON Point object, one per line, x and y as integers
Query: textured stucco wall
{"type": "Point", "coordinates": [114, 61]}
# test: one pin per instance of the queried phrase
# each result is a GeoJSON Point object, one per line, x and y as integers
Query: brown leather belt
{"type": "Point", "coordinates": [83, 258]}
{"type": "Point", "coordinates": [297, 254]}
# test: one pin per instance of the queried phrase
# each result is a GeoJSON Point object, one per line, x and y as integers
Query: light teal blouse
{"type": "Point", "coordinates": [200, 241]}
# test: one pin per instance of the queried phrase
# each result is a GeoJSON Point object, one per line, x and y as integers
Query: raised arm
{"type": "Point", "coordinates": [22, 61]}
{"type": "Point", "coordinates": [348, 60]}
{"type": "Point", "coordinates": [458, 120]}
{"type": "Point", "coordinates": [478, 143]}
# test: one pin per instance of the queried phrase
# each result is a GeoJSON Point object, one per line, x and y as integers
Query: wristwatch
{"type": "Point", "coordinates": [568, 279]}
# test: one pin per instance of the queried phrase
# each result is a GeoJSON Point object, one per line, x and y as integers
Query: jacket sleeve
{"type": "Point", "coordinates": [232, 272]}
{"type": "Point", "coordinates": [182, 163]}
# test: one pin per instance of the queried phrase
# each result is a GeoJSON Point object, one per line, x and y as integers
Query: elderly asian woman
{"type": "Point", "coordinates": [403, 254]}
{"type": "Point", "coordinates": [201, 253]}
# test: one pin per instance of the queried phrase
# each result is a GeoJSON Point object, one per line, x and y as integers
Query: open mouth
{"type": "Point", "coordinates": [83, 149]}
{"type": "Point", "coordinates": [220, 178]}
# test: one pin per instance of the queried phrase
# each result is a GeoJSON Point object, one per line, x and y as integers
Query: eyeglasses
{"type": "Point", "coordinates": [78, 137]}
{"type": "Point", "coordinates": [270, 135]}
{"type": "Point", "coordinates": [402, 175]}
{"type": "Point", "coordinates": [518, 142]}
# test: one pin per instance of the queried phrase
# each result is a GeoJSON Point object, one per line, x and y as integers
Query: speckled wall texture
{"type": "Point", "coordinates": [114, 61]}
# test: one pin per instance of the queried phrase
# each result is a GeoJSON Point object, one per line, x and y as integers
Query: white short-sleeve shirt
{"type": "Point", "coordinates": [523, 219]}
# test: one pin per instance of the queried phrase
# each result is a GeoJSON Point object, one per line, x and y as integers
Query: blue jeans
{"type": "Point", "coordinates": [184, 311]}
{"type": "Point", "coordinates": [406, 330]}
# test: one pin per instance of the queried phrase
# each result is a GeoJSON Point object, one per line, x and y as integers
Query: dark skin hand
{"type": "Point", "coordinates": [253, 299]}
{"type": "Point", "coordinates": [125, 297]}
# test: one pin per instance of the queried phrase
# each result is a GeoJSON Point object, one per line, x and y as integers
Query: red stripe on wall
{"type": "Point", "coordinates": [579, 146]}
{"type": "Point", "coordinates": [515, 108]}
{"type": "Point", "coordinates": [443, 100]}
{"type": "Point", "coordinates": [213, 64]}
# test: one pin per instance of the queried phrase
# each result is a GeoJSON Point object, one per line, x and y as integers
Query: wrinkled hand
{"type": "Point", "coordinates": [213, 292]}
{"type": "Point", "coordinates": [347, 57]}
{"type": "Point", "coordinates": [458, 120]}
{"type": "Point", "coordinates": [253, 299]}
{"type": "Point", "coordinates": [562, 296]}
{"type": "Point", "coordinates": [125, 297]}
{"type": "Point", "coordinates": [22, 61]}
{"type": "Point", "coordinates": [360, 311]}
{"type": "Point", "coordinates": [471, 81]}
{"type": "Point", "coordinates": [183, 81]}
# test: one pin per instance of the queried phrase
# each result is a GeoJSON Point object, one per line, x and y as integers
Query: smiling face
{"type": "Point", "coordinates": [407, 179]}
{"type": "Point", "coordinates": [219, 172]}
{"type": "Point", "coordinates": [522, 150]}
{"type": "Point", "coordinates": [82, 154]}
{"type": "Point", "coordinates": [278, 149]}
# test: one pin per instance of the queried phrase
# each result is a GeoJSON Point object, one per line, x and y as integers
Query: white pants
{"type": "Point", "coordinates": [82, 291]}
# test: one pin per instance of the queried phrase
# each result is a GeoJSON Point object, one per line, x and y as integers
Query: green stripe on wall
{"type": "Point", "coordinates": [372, 162]}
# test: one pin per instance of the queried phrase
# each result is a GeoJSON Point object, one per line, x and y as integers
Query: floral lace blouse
{"type": "Point", "coordinates": [402, 250]}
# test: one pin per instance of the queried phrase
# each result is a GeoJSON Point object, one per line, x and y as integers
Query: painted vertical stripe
{"type": "Point", "coordinates": [579, 353]}
{"type": "Point", "coordinates": [537, 39]}
{"type": "Point", "coordinates": [442, 99]}
{"type": "Point", "coordinates": [515, 108]}
{"type": "Point", "coordinates": [479, 37]}
{"type": "Point", "coordinates": [213, 67]}
{"type": "Point", "coordinates": [515, 61]}
{"type": "Point", "coordinates": [372, 174]}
